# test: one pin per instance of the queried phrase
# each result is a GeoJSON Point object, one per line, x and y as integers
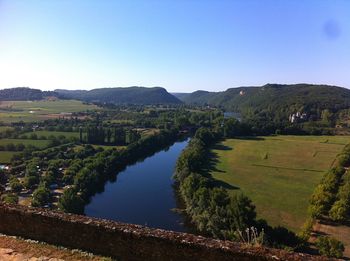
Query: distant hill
{"type": "Point", "coordinates": [24, 94]}
{"type": "Point", "coordinates": [181, 95]}
{"type": "Point", "coordinates": [127, 95]}
{"type": "Point", "coordinates": [274, 97]}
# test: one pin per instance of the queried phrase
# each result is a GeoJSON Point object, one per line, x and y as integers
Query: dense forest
{"type": "Point", "coordinates": [130, 95]}
{"type": "Point", "coordinates": [275, 102]}
{"type": "Point", "coordinates": [24, 94]}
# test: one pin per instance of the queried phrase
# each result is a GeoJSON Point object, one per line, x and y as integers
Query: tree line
{"type": "Point", "coordinates": [89, 175]}
{"type": "Point", "coordinates": [331, 198]}
{"type": "Point", "coordinates": [212, 210]}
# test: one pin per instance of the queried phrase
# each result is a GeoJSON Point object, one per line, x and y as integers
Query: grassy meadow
{"type": "Point", "coordinates": [37, 143]}
{"type": "Point", "coordinates": [279, 173]}
{"type": "Point", "coordinates": [28, 111]}
{"type": "Point", "coordinates": [5, 128]}
{"type": "Point", "coordinates": [6, 156]}
{"type": "Point", "coordinates": [54, 133]}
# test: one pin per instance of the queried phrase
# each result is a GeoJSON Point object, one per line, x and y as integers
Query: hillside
{"type": "Point", "coordinates": [181, 95]}
{"type": "Point", "coordinates": [129, 95]}
{"type": "Point", "coordinates": [275, 98]}
{"type": "Point", "coordinates": [24, 94]}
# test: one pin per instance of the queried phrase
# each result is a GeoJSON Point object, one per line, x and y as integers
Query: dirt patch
{"type": "Point", "coordinates": [12, 248]}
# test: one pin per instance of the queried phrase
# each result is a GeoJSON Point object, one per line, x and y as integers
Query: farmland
{"type": "Point", "coordinates": [5, 128]}
{"type": "Point", "coordinates": [37, 143]}
{"type": "Point", "coordinates": [278, 173]}
{"type": "Point", "coordinates": [27, 111]}
{"type": "Point", "coordinates": [56, 134]}
{"type": "Point", "coordinates": [5, 156]}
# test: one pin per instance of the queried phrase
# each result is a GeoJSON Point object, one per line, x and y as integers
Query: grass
{"type": "Point", "coordinates": [6, 156]}
{"type": "Point", "coordinates": [108, 147]}
{"type": "Point", "coordinates": [5, 128]}
{"type": "Point", "coordinates": [28, 111]}
{"type": "Point", "coordinates": [54, 133]}
{"type": "Point", "coordinates": [37, 143]}
{"type": "Point", "coordinates": [278, 173]}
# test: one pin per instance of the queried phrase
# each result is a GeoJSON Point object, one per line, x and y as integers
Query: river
{"type": "Point", "coordinates": [143, 193]}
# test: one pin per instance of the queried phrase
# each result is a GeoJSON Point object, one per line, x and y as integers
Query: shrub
{"type": "Point", "coordinates": [9, 198]}
{"type": "Point", "coordinates": [339, 211]}
{"type": "Point", "coordinates": [330, 247]}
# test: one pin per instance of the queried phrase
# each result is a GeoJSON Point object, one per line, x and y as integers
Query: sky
{"type": "Point", "coordinates": [182, 45]}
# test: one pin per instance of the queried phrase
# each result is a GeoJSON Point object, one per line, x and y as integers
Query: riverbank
{"type": "Point", "coordinates": [143, 193]}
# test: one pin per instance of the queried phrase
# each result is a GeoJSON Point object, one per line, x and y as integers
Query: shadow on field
{"type": "Point", "coordinates": [211, 166]}
{"type": "Point", "coordinates": [221, 147]}
{"type": "Point", "coordinates": [249, 138]}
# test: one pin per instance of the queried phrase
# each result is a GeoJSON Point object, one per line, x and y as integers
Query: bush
{"type": "Point", "coordinates": [9, 198]}
{"type": "Point", "coordinates": [15, 184]}
{"type": "Point", "coordinates": [71, 202]}
{"type": "Point", "coordinates": [330, 247]}
{"type": "Point", "coordinates": [41, 197]}
{"type": "Point", "coordinates": [339, 211]}
{"type": "Point", "coordinates": [33, 136]}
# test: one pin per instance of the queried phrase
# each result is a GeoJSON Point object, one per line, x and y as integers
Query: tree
{"type": "Point", "coordinates": [10, 147]}
{"type": "Point", "coordinates": [339, 211]}
{"type": "Point", "coordinates": [33, 136]}
{"type": "Point", "coordinates": [15, 185]}
{"type": "Point", "coordinates": [330, 247]}
{"type": "Point", "coordinates": [241, 212]}
{"type": "Point", "coordinates": [71, 202]}
{"type": "Point", "coordinates": [80, 134]}
{"type": "Point", "coordinates": [30, 181]}
{"type": "Point", "coordinates": [41, 196]}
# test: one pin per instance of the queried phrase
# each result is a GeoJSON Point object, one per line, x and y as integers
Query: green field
{"type": "Point", "coordinates": [37, 143]}
{"type": "Point", "coordinates": [27, 111]}
{"type": "Point", "coordinates": [5, 128]}
{"type": "Point", "coordinates": [278, 173]}
{"type": "Point", "coordinates": [6, 156]}
{"type": "Point", "coordinates": [54, 133]}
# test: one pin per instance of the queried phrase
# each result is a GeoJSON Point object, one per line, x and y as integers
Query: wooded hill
{"type": "Point", "coordinates": [274, 98]}
{"type": "Point", "coordinates": [129, 95]}
{"type": "Point", "coordinates": [24, 94]}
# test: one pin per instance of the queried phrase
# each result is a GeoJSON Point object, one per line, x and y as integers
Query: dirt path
{"type": "Point", "coordinates": [15, 249]}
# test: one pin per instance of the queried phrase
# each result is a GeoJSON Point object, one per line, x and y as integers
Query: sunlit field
{"type": "Point", "coordinates": [278, 173]}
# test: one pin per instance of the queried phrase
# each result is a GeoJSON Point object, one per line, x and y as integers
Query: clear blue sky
{"type": "Point", "coordinates": [182, 45]}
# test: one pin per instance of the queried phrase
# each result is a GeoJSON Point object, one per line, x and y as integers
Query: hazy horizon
{"type": "Point", "coordinates": [182, 46]}
{"type": "Point", "coordinates": [74, 89]}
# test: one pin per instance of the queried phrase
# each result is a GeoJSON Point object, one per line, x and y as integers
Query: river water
{"type": "Point", "coordinates": [143, 193]}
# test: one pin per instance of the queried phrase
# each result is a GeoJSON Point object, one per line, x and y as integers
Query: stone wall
{"type": "Point", "coordinates": [126, 241]}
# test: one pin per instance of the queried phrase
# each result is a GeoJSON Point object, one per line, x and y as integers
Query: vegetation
{"type": "Point", "coordinates": [9, 198]}
{"type": "Point", "coordinates": [41, 196]}
{"type": "Point", "coordinates": [131, 95]}
{"type": "Point", "coordinates": [269, 107]}
{"type": "Point", "coordinates": [263, 167]}
{"type": "Point", "coordinates": [62, 152]}
{"type": "Point", "coordinates": [330, 247]}
{"type": "Point", "coordinates": [23, 94]}
{"type": "Point", "coordinates": [71, 202]}
{"type": "Point", "coordinates": [331, 197]}
{"type": "Point", "coordinates": [211, 208]}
